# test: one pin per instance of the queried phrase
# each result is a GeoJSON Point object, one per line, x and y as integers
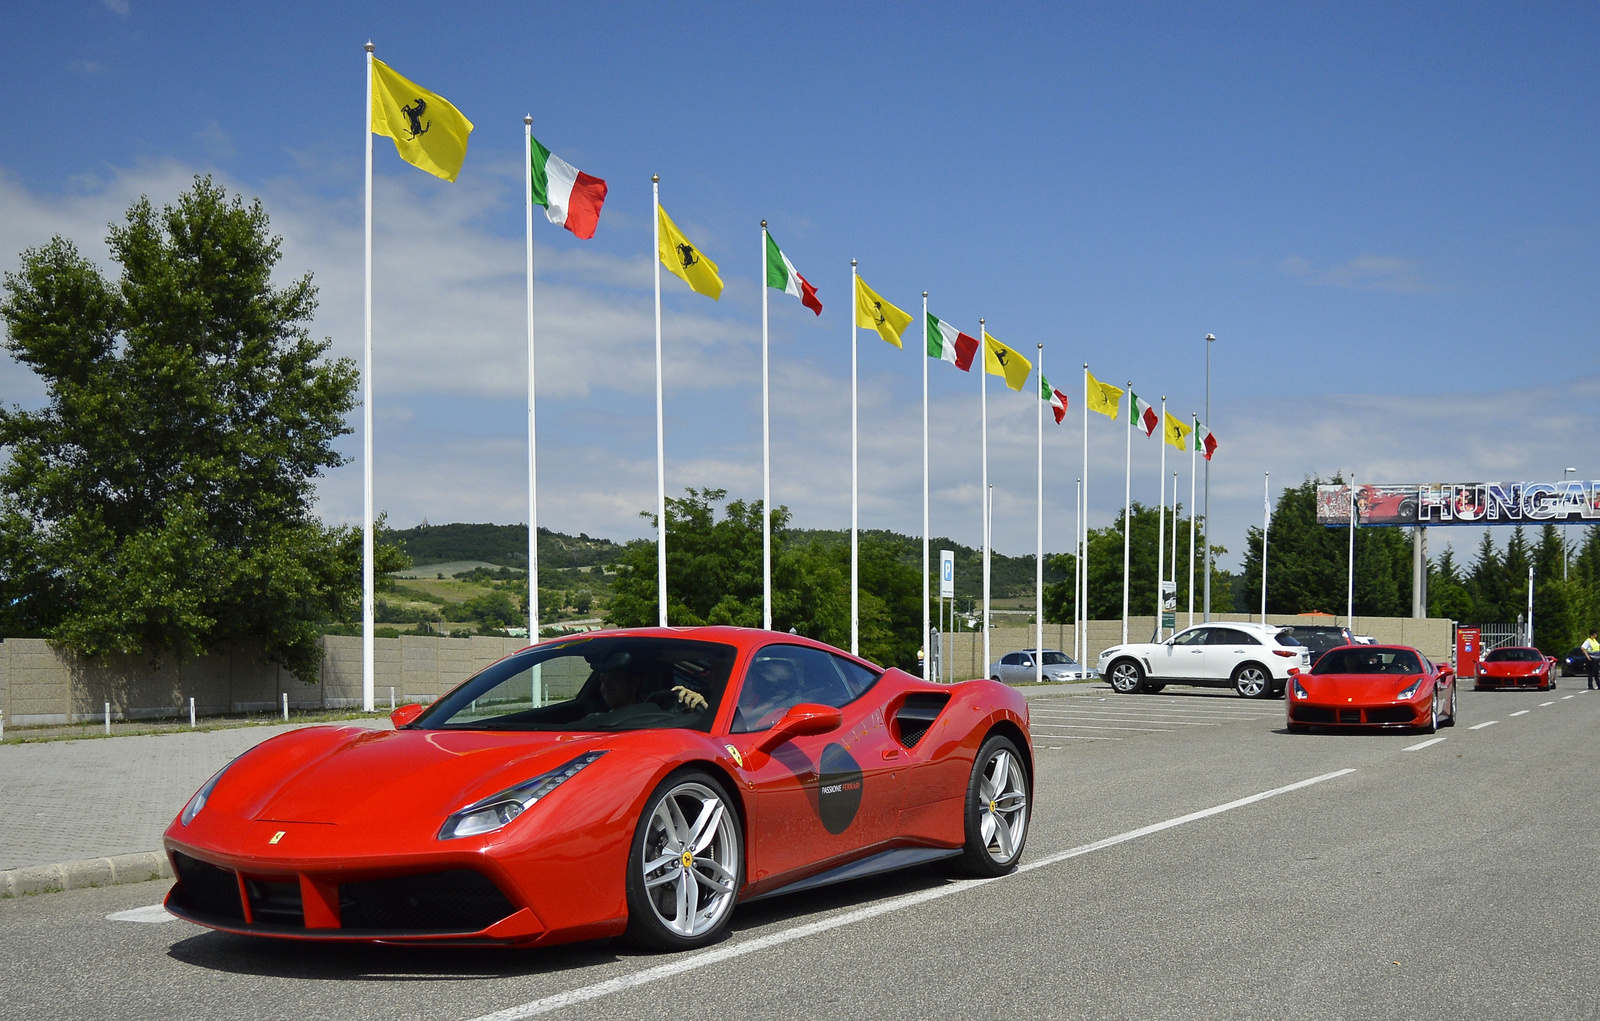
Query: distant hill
{"type": "Point", "coordinates": [503, 545]}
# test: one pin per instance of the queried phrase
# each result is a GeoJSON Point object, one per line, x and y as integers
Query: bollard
{"type": "Point", "coordinates": [391, 698]}
{"type": "Point", "coordinates": [108, 717]}
{"type": "Point", "coordinates": [191, 713]}
{"type": "Point", "coordinates": [286, 705]}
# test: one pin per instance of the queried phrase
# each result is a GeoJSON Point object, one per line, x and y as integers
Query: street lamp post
{"type": "Point", "coordinates": [1207, 615]}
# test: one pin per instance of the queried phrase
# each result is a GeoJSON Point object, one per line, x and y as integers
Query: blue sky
{"type": "Point", "coordinates": [1385, 213]}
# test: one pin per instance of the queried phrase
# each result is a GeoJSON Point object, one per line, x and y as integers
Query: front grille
{"type": "Point", "coordinates": [1391, 714]}
{"type": "Point", "coordinates": [1349, 715]}
{"type": "Point", "coordinates": [207, 890]}
{"type": "Point", "coordinates": [458, 900]}
{"type": "Point", "coordinates": [276, 903]}
{"type": "Point", "coordinates": [1312, 714]}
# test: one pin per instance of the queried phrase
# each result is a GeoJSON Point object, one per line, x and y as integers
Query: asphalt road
{"type": "Point", "coordinates": [1452, 880]}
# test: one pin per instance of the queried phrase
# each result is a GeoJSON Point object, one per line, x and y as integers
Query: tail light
{"type": "Point", "coordinates": [1285, 653]}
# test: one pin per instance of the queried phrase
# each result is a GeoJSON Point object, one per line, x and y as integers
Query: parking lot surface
{"type": "Point", "coordinates": [1188, 859]}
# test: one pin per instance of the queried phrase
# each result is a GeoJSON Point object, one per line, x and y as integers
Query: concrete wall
{"type": "Point", "coordinates": [1432, 636]}
{"type": "Point", "coordinates": [42, 685]}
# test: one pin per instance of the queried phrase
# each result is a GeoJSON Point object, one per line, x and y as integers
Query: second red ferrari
{"type": "Point", "coordinates": [1515, 668]}
{"type": "Point", "coordinates": [1373, 686]}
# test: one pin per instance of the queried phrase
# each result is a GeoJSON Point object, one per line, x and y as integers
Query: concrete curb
{"type": "Point", "coordinates": [76, 875]}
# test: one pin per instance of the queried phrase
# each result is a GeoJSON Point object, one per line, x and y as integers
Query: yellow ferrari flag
{"type": "Point", "coordinates": [1176, 432]}
{"type": "Point", "coordinates": [686, 262]}
{"type": "Point", "coordinates": [999, 360]}
{"type": "Point", "coordinates": [1103, 397]}
{"type": "Point", "coordinates": [428, 132]}
{"type": "Point", "coordinates": [874, 313]}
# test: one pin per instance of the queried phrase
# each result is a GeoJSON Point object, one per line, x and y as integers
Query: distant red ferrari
{"type": "Point", "coordinates": [1373, 686]}
{"type": "Point", "coordinates": [636, 782]}
{"type": "Point", "coordinates": [1516, 667]}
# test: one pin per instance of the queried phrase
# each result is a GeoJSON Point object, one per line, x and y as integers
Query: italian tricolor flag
{"type": "Point", "coordinates": [781, 276]}
{"type": "Point", "coordinates": [1204, 441]}
{"type": "Point", "coordinates": [1057, 399]}
{"type": "Point", "coordinates": [950, 344]}
{"type": "Point", "coordinates": [570, 197]}
{"type": "Point", "coordinates": [1143, 415]}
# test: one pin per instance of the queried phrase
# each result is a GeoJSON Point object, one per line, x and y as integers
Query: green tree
{"type": "Point", "coordinates": [1105, 569]}
{"type": "Point", "coordinates": [161, 500]}
{"type": "Point", "coordinates": [1447, 591]}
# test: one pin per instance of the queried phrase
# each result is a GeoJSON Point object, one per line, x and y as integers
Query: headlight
{"type": "Point", "coordinates": [1299, 692]}
{"type": "Point", "coordinates": [497, 810]}
{"type": "Point", "coordinates": [1411, 690]}
{"type": "Point", "coordinates": [198, 802]}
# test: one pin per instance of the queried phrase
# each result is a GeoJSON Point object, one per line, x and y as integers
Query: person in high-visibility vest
{"type": "Point", "coordinates": [1591, 653]}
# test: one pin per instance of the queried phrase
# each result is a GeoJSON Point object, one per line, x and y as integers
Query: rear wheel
{"type": "Point", "coordinates": [997, 810]}
{"type": "Point", "coordinates": [686, 866]}
{"type": "Point", "coordinates": [1126, 676]}
{"type": "Point", "coordinates": [1252, 681]}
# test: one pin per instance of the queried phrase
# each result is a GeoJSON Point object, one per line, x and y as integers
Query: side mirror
{"type": "Point", "coordinates": [801, 720]}
{"type": "Point", "coordinates": [405, 714]}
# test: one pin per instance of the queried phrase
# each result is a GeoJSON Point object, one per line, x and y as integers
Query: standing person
{"type": "Point", "coordinates": [1591, 655]}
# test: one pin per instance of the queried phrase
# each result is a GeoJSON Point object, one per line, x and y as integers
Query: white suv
{"type": "Point", "coordinates": [1254, 659]}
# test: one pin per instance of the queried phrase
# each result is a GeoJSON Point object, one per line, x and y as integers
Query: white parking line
{"type": "Point", "coordinates": [155, 914]}
{"type": "Point", "coordinates": [1422, 744]}
{"type": "Point", "coordinates": [1566, 696]}
{"type": "Point", "coordinates": [693, 962]}
{"type": "Point", "coordinates": [1480, 726]}
{"type": "Point", "coordinates": [1075, 737]}
{"type": "Point", "coordinates": [1084, 726]}
{"type": "Point", "coordinates": [1521, 712]}
{"type": "Point", "coordinates": [1543, 704]}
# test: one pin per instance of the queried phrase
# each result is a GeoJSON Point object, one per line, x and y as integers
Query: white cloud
{"type": "Point", "coordinates": [1392, 273]}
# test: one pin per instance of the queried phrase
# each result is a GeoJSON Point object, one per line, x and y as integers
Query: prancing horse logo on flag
{"type": "Point", "coordinates": [1000, 356]}
{"type": "Point", "coordinates": [687, 255]}
{"type": "Point", "coordinates": [414, 114]}
{"type": "Point", "coordinates": [877, 314]}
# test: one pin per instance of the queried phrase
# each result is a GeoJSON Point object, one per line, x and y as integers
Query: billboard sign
{"type": "Point", "coordinates": [1460, 503]}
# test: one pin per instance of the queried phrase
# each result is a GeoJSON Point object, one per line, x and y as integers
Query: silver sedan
{"type": "Point", "coordinates": [1018, 668]}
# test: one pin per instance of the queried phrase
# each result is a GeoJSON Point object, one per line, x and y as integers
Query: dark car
{"type": "Point", "coordinates": [1575, 664]}
{"type": "Point", "coordinates": [1319, 638]}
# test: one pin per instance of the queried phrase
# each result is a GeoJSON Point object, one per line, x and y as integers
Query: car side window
{"type": "Point", "coordinates": [1011, 659]}
{"type": "Point", "coordinates": [1231, 636]}
{"type": "Point", "coordinates": [1196, 637]}
{"type": "Point", "coordinates": [783, 676]}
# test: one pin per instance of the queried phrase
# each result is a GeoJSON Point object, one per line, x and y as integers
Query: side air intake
{"type": "Point", "coordinates": [913, 719]}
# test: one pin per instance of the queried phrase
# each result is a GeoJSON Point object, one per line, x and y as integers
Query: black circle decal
{"type": "Point", "coordinates": [839, 797]}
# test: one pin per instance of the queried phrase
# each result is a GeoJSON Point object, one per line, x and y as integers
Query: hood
{"type": "Point", "coordinates": [354, 775]}
{"type": "Point", "coordinates": [1359, 689]}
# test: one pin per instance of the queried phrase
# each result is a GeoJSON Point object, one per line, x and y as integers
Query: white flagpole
{"type": "Point", "coordinates": [1083, 526]}
{"type": "Point", "coordinates": [1193, 437]}
{"type": "Point", "coordinates": [533, 475]}
{"type": "Point", "coordinates": [1127, 510]}
{"type": "Point", "coordinates": [1174, 552]}
{"type": "Point", "coordinates": [766, 453]}
{"type": "Point", "coordinates": [1077, 571]}
{"type": "Point", "coordinates": [1350, 583]}
{"type": "Point", "coordinates": [1266, 519]}
{"type": "Point", "coordinates": [925, 650]}
{"type": "Point", "coordinates": [855, 547]}
{"type": "Point", "coordinates": [1038, 559]}
{"type": "Point", "coordinates": [367, 554]}
{"type": "Point", "coordinates": [1161, 516]}
{"type": "Point", "coordinates": [988, 498]}
{"type": "Point", "coordinates": [661, 448]}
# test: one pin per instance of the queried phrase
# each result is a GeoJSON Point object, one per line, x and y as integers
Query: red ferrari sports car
{"type": "Point", "coordinates": [637, 782]}
{"type": "Point", "coordinates": [1515, 668]}
{"type": "Point", "coordinates": [1373, 686]}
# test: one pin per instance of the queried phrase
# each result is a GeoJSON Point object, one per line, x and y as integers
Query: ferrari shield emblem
{"type": "Point", "coordinates": [276, 837]}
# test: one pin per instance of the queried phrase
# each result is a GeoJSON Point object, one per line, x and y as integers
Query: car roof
{"type": "Point", "coordinates": [745, 639]}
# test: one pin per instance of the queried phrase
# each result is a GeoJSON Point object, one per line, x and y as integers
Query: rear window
{"type": "Point", "coordinates": [1285, 639]}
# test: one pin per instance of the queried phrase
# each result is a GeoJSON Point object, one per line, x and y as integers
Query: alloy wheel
{"type": "Point", "coordinates": [691, 859]}
{"type": "Point", "coordinates": [1003, 812]}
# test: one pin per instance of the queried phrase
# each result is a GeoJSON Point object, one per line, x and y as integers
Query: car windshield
{"type": "Point", "coordinates": [1057, 659]}
{"type": "Point", "coordinates": [1368, 661]}
{"type": "Point", "coordinates": [1514, 656]}
{"type": "Point", "coordinates": [589, 684]}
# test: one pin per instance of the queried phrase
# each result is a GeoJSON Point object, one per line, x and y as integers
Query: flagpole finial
{"type": "Point", "coordinates": [1210, 338]}
{"type": "Point", "coordinates": [1086, 365]}
{"type": "Point", "coordinates": [852, 264]}
{"type": "Point", "coordinates": [369, 45]}
{"type": "Point", "coordinates": [763, 225]}
{"type": "Point", "coordinates": [528, 119]}
{"type": "Point", "coordinates": [1041, 345]}
{"type": "Point", "coordinates": [1163, 398]}
{"type": "Point", "coordinates": [981, 320]}
{"type": "Point", "coordinates": [924, 294]}
{"type": "Point", "coordinates": [655, 178]}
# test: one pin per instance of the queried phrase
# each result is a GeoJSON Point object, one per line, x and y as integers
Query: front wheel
{"type": "Point", "coordinates": [997, 810]}
{"type": "Point", "coordinates": [686, 866]}
{"type": "Point", "coordinates": [1432, 726]}
{"type": "Point", "coordinates": [1252, 681]}
{"type": "Point", "coordinates": [1126, 676]}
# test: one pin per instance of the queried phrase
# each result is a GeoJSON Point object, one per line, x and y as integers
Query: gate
{"type": "Point", "coordinates": [1498, 636]}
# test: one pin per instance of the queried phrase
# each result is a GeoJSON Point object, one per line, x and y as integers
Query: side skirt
{"type": "Point", "coordinates": [883, 861]}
